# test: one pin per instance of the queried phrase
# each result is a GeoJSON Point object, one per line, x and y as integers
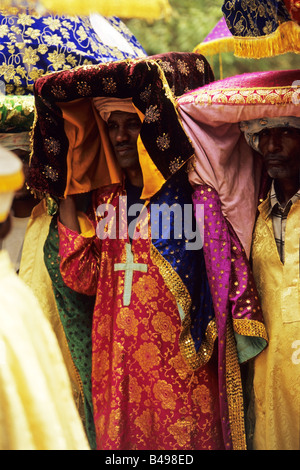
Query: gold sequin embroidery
{"type": "Point", "coordinates": [177, 288]}
{"type": "Point", "coordinates": [152, 114]}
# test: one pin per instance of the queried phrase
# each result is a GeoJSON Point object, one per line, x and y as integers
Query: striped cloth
{"type": "Point", "coordinates": [279, 215]}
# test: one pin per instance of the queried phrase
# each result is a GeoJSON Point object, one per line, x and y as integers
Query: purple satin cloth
{"type": "Point", "coordinates": [231, 282]}
{"type": "Point", "coordinates": [220, 31]}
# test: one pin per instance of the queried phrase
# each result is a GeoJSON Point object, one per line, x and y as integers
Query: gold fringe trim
{"type": "Point", "coordinates": [215, 47]}
{"type": "Point", "coordinates": [285, 39]}
{"type": "Point", "coordinates": [234, 393]}
{"type": "Point", "coordinates": [13, 7]}
{"type": "Point", "coordinates": [182, 297]}
{"type": "Point", "coordinates": [246, 327]}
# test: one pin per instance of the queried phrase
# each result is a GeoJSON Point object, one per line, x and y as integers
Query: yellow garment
{"type": "Point", "coordinates": [11, 179]}
{"type": "Point", "coordinates": [37, 411]}
{"type": "Point", "coordinates": [148, 9]}
{"type": "Point", "coordinates": [34, 273]}
{"type": "Point", "coordinates": [277, 368]}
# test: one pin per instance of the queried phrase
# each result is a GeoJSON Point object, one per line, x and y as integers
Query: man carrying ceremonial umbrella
{"type": "Point", "coordinates": [160, 380]}
{"type": "Point", "coordinates": [246, 129]}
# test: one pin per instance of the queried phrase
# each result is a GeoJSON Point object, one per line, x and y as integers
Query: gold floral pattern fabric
{"type": "Point", "coordinates": [33, 44]}
{"type": "Point", "coordinates": [145, 395]}
{"type": "Point", "coordinates": [253, 18]}
{"type": "Point", "coordinates": [280, 95]}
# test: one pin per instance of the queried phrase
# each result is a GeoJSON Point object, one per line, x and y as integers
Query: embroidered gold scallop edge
{"type": "Point", "coordinates": [178, 289]}
{"type": "Point", "coordinates": [204, 97]}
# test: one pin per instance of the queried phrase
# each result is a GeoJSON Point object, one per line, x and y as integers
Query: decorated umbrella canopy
{"type": "Point", "coordinates": [147, 9]}
{"type": "Point", "coordinates": [263, 28]}
{"type": "Point", "coordinates": [33, 44]}
{"type": "Point", "coordinates": [151, 82]}
{"type": "Point", "coordinates": [211, 117]}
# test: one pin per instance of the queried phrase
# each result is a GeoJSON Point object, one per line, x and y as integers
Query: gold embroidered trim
{"type": "Point", "coordinates": [246, 96]}
{"type": "Point", "coordinates": [182, 297]}
{"type": "Point", "coordinates": [234, 393]}
{"type": "Point", "coordinates": [172, 280]}
{"type": "Point", "coordinates": [247, 327]}
{"type": "Point", "coordinates": [215, 47]}
{"type": "Point", "coordinates": [200, 358]}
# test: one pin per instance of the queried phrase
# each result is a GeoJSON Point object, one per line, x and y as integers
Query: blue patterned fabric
{"type": "Point", "coordinates": [189, 264]}
{"type": "Point", "coordinates": [254, 18]}
{"type": "Point", "coordinates": [32, 45]}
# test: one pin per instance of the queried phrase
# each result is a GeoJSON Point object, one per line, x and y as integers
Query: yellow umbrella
{"type": "Point", "coordinates": [145, 9]}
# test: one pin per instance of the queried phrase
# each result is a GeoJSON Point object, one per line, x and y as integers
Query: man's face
{"type": "Point", "coordinates": [280, 148]}
{"type": "Point", "coordinates": [123, 131]}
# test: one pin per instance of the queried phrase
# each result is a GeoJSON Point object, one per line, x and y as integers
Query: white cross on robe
{"type": "Point", "coordinates": [129, 266]}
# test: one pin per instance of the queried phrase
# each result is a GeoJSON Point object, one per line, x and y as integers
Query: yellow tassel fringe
{"type": "Point", "coordinates": [285, 39]}
{"type": "Point", "coordinates": [215, 47]}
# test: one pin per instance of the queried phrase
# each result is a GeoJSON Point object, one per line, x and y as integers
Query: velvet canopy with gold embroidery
{"type": "Point", "coordinates": [69, 147]}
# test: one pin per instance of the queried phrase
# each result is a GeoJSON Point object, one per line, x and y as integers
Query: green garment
{"type": "Point", "coordinates": [76, 312]}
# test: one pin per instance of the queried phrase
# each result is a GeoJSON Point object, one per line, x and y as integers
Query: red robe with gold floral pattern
{"type": "Point", "coordinates": [145, 396]}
